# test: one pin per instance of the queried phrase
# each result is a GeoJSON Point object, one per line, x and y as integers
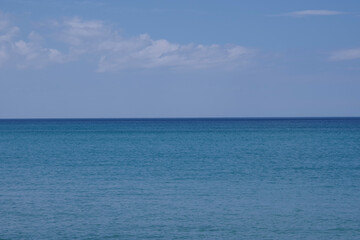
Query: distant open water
{"type": "Point", "coordinates": [180, 179]}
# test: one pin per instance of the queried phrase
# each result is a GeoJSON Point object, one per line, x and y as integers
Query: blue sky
{"type": "Point", "coordinates": [86, 58]}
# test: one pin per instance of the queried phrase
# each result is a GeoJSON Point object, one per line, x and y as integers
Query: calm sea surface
{"type": "Point", "coordinates": [180, 179]}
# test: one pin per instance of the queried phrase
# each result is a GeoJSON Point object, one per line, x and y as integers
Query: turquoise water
{"type": "Point", "coordinates": [180, 179]}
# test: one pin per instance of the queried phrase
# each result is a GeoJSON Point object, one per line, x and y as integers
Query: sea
{"type": "Point", "coordinates": [221, 178]}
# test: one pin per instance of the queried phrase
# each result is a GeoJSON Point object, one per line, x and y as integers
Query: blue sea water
{"type": "Point", "coordinates": [180, 179]}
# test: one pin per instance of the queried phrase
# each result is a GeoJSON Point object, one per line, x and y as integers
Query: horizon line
{"type": "Point", "coordinates": [175, 118]}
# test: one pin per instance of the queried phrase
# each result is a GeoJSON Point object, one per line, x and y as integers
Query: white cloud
{"type": "Point", "coordinates": [97, 42]}
{"type": "Point", "coordinates": [116, 52]}
{"type": "Point", "coordinates": [148, 53]}
{"type": "Point", "coordinates": [31, 53]}
{"type": "Point", "coordinates": [347, 54]}
{"type": "Point", "coordinates": [7, 34]}
{"type": "Point", "coordinates": [24, 53]}
{"type": "Point", "coordinates": [312, 13]}
{"type": "Point", "coordinates": [35, 55]}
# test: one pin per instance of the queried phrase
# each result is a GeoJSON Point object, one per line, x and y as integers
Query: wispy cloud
{"type": "Point", "coordinates": [347, 54]}
{"type": "Point", "coordinates": [7, 33]}
{"type": "Point", "coordinates": [304, 13]}
{"type": "Point", "coordinates": [83, 40]}
{"type": "Point", "coordinates": [117, 52]}
{"type": "Point", "coordinates": [34, 54]}
{"type": "Point", "coordinates": [24, 53]}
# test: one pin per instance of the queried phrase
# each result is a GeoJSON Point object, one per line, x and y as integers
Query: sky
{"type": "Point", "coordinates": [170, 59]}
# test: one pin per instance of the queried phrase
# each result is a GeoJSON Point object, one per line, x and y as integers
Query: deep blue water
{"type": "Point", "coordinates": [180, 179]}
